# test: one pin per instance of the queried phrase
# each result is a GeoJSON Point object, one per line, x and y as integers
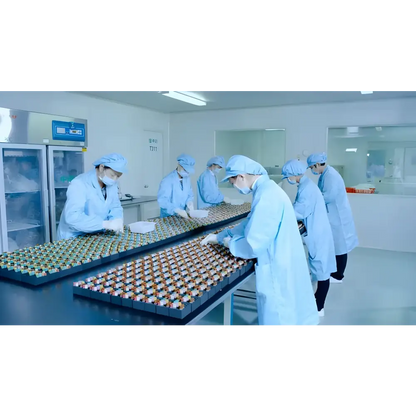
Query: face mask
{"type": "Point", "coordinates": [107, 181]}
{"type": "Point", "coordinates": [184, 173]}
{"type": "Point", "coordinates": [244, 191]}
{"type": "Point", "coordinates": [315, 173]}
{"type": "Point", "coordinates": [217, 171]}
{"type": "Point", "coordinates": [291, 182]}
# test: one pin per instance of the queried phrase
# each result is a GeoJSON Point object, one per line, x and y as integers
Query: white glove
{"type": "Point", "coordinates": [227, 200]}
{"type": "Point", "coordinates": [190, 206]}
{"type": "Point", "coordinates": [209, 239]}
{"type": "Point", "coordinates": [181, 212]}
{"type": "Point", "coordinates": [114, 225]}
{"type": "Point", "coordinates": [226, 242]}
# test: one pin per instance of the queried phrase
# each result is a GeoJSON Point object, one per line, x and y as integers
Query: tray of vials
{"type": "Point", "coordinates": [51, 261]}
{"type": "Point", "coordinates": [173, 282]}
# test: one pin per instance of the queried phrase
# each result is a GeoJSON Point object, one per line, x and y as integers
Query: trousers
{"type": "Point", "coordinates": [341, 265]}
{"type": "Point", "coordinates": [321, 292]}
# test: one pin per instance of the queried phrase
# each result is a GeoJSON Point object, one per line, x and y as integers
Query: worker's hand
{"type": "Point", "coordinates": [209, 239]}
{"type": "Point", "coordinates": [115, 225]}
{"type": "Point", "coordinates": [181, 212]}
{"type": "Point", "coordinates": [226, 242]}
{"type": "Point", "coordinates": [227, 200]}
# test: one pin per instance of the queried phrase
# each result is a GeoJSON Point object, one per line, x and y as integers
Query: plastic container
{"type": "Point", "coordinates": [350, 190]}
{"type": "Point", "coordinates": [237, 202]}
{"type": "Point", "coordinates": [198, 213]}
{"type": "Point", "coordinates": [142, 227]}
{"type": "Point", "coordinates": [365, 191]}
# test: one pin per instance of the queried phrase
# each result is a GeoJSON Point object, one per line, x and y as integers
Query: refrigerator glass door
{"type": "Point", "coordinates": [24, 209]}
{"type": "Point", "coordinates": [65, 164]}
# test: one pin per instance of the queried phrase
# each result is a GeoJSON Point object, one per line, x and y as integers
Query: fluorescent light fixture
{"type": "Point", "coordinates": [351, 150]}
{"type": "Point", "coordinates": [368, 154]}
{"type": "Point", "coordinates": [274, 129]}
{"type": "Point", "coordinates": [366, 92]}
{"type": "Point", "coordinates": [177, 95]}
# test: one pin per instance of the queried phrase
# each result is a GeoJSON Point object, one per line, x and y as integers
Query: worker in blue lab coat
{"type": "Point", "coordinates": [208, 193]}
{"type": "Point", "coordinates": [270, 234]}
{"type": "Point", "coordinates": [175, 194]}
{"type": "Point", "coordinates": [310, 208]}
{"type": "Point", "coordinates": [339, 212]}
{"type": "Point", "coordinates": [92, 199]}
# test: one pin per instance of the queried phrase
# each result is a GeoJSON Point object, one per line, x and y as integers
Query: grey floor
{"type": "Point", "coordinates": [379, 289]}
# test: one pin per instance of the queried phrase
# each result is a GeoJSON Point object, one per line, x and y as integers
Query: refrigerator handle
{"type": "Point", "coordinates": [46, 198]}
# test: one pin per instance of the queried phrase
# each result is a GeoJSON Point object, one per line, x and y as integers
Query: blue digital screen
{"type": "Point", "coordinates": [64, 130]}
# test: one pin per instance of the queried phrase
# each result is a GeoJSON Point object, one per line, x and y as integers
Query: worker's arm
{"type": "Point", "coordinates": [261, 229]}
{"type": "Point", "coordinates": [303, 205]}
{"type": "Point", "coordinates": [116, 210]}
{"type": "Point", "coordinates": [164, 196]}
{"type": "Point", "coordinates": [238, 230]}
{"type": "Point", "coordinates": [209, 189]}
{"type": "Point", "coordinates": [190, 197]}
{"type": "Point", "coordinates": [331, 188]}
{"type": "Point", "coordinates": [74, 209]}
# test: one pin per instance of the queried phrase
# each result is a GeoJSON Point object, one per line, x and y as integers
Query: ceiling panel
{"type": "Point", "coordinates": [223, 100]}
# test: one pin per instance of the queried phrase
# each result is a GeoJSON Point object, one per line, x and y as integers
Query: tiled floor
{"type": "Point", "coordinates": [379, 289]}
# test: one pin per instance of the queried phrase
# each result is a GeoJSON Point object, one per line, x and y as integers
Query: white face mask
{"type": "Point", "coordinates": [245, 190]}
{"type": "Point", "coordinates": [106, 180]}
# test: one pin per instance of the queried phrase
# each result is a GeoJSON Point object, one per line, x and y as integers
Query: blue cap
{"type": "Point", "coordinates": [216, 160]}
{"type": "Point", "coordinates": [187, 162]}
{"type": "Point", "coordinates": [315, 158]}
{"type": "Point", "coordinates": [240, 165]}
{"type": "Point", "coordinates": [114, 161]}
{"type": "Point", "coordinates": [294, 167]}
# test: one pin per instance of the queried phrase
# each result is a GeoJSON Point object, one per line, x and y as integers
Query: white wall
{"type": "Point", "coordinates": [112, 127]}
{"type": "Point", "coordinates": [306, 130]}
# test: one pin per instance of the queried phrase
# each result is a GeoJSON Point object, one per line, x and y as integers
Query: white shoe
{"type": "Point", "coordinates": [336, 281]}
{"type": "Point", "coordinates": [321, 313]}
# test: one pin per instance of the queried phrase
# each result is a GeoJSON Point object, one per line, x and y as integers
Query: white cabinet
{"type": "Point", "coordinates": [150, 210]}
{"type": "Point", "coordinates": [131, 213]}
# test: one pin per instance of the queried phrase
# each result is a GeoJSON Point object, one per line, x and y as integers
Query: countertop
{"type": "Point", "coordinates": [55, 304]}
{"type": "Point", "coordinates": [138, 200]}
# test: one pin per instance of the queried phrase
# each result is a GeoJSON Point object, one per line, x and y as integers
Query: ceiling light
{"type": "Point", "coordinates": [367, 90]}
{"type": "Point", "coordinates": [177, 95]}
{"type": "Point", "coordinates": [274, 129]}
{"type": "Point", "coordinates": [351, 150]}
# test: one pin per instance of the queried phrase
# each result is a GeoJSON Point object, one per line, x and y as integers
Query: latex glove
{"type": "Point", "coordinates": [190, 206]}
{"type": "Point", "coordinates": [227, 200]}
{"type": "Point", "coordinates": [114, 225]}
{"type": "Point", "coordinates": [181, 212]}
{"type": "Point", "coordinates": [226, 242]}
{"type": "Point", "coordinates": [210, 239]}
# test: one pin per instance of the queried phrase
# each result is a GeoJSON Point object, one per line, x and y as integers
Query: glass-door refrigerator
{"type": "Point", "coordinates": [64, 164]}
{"type": "Point", "coordinates": [40, 154]}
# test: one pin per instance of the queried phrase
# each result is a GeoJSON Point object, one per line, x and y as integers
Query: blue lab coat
{"type": "Point", "coordinates": [339, 212]}
{"type": "Point", "coordinates": [208, 193]}
{"type": "Point", "coordinates": [174, 193]}
{"type": "Point", "coordinates": [86, 209]}
{"type": "Point", "coordinates": [310, 208]}
{"type": "Point", "coordinates": [270, 234]}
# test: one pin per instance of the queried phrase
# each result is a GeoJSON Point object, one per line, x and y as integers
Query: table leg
{"type": "Point", "coordinates": [228, 310]}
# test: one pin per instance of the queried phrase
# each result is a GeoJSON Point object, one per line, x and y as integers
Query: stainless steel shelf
{"type": "Point", "coordinates": [19, 226]}
{"type": "Point", "coordinates": [21, 192]}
